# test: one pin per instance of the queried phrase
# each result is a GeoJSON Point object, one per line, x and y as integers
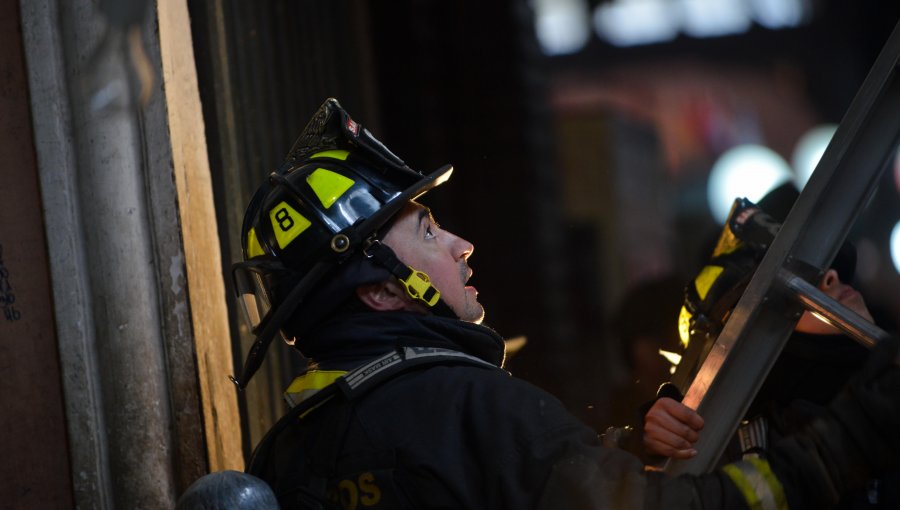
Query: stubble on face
{"type": "Point", "coordinates": [411, 238]}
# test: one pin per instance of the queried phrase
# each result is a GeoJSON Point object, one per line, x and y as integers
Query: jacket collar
{"type": "Point", "coordinates": [348, 340]}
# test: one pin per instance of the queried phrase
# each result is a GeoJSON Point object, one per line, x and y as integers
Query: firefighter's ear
{"type": "Point", "coordinates": [387, 296]}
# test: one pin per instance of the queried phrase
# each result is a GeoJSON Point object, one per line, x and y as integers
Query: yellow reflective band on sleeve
{"type": "Point", "coordinates": [758, 484]}
{"type": "Point", "coordinates": [287, 223]}
{"type": "Point", "coordinates": [328, 185]}
{"type": "Point", "coordinates": [254, 249]}
{"type": "Point", "coordinates": [706, 279]}
{"type": "Point", "coordinates": [309, 383]}
{"type": "Point", "coordinates": [333, 154]}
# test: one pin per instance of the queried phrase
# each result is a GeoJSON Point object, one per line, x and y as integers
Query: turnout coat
{"type": "Point", "coordinates": [457, 431]}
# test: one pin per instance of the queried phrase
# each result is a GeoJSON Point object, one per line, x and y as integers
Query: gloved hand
{"type": "Point", "coordinates": [868, 411]}
{"type": "Point", "coordinates": [856, 440]}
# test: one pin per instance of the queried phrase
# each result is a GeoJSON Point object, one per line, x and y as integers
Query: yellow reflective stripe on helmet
{"type": "Point", "coordinates": [333, 154]}
{"type": "Point", "coordinates": [328, 185]}
{"type": "Point", "coordinates": [684, 326]}
{"type": "Point", "coordinates": [287, 223]}
{"type": "Point", "coordinates": [758, 484]}
{"type": "Point", "coordinates": [706, 279]}
{"type": "Point", "coordinates": [728, 242]}
{"type": "Point", "coordinates": [309, 383]}
{"type": "Point", "coordinates": [254, 249]}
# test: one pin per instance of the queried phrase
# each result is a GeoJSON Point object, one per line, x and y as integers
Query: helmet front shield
{"type": "Point", "coordinates": [251, 289]}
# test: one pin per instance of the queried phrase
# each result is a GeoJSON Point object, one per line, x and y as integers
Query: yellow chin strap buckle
{"type": "Point", "coordinates": [418, 284]}
{"type": "Point", "coordinates": [419, 287]}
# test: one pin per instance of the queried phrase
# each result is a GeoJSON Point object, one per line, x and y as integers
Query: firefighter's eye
{"type": "Point", "coordinates": [428, 233]}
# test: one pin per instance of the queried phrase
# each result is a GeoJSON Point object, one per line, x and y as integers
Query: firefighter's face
{"type": "Point", "coordinates": [420, 243]}
{"type": "Point", "coordinates": [844, 294]}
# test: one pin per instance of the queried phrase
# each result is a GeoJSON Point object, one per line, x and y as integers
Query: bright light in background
{"type": "Point", "coordinates": [774, 14]}
{"type": "Point", "coordinates": [561, 26]}
{"type": "Point", "coordinates": [564, 26]}
{"type": "Point", "coordinates": [748, 171]}
{"type": "Point", "coordinates": [809, 150]}
{"type": "Point", "coordinates": [633, 22]}
{"type": "Point", "coordinates": [712, 18]}
{"type": "Point", "coordinates": [895, 246]}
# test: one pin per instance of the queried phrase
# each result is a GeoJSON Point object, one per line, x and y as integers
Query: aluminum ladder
{"type": "Point", "coordinates": [781, 288]}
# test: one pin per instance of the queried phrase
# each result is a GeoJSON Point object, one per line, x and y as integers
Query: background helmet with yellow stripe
{"type": "Point", "coordinates": [337, 187]}
{"type": "Point", "coordinates": [714, 292]}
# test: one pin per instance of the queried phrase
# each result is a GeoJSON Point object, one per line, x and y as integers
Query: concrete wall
{"type": "Point", "coordinates": [35, 468]}
{"type": "Point", "coordinates": [133, 252]}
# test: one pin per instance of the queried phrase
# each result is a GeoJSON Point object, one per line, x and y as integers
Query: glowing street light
{"type": "Point", "coordinates": [748, 171]}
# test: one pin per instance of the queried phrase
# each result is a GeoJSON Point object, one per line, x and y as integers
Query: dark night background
{"type": "Point", "coordinates": [578, 177]}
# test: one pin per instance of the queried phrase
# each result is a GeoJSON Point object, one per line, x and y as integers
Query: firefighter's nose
{"type": "Point", "coordinates": [463, 249]}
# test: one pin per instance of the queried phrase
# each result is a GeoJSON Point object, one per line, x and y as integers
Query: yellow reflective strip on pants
{"type": "Point", "coordinates": [759, 486]}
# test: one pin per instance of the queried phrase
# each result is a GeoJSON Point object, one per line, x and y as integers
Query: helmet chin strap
{"type": "Point", "coordinates": [417, 283]}
{"type": "Point", "coordinates": [418, 286]}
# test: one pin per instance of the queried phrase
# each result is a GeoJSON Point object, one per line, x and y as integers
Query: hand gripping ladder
{"type": "Point", "coordinates": [844, 180]}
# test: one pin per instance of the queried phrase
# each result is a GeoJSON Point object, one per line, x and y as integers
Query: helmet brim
{"type": "Point", "coordinates": [268, 326]}
{"type": "Point", "coordinates": [391, 208]}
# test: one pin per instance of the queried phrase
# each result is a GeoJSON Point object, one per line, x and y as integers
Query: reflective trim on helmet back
{"type": "Point", "coordinates": [758, 484]}
{"type": "Point", "coordinates": [328, 185]}
{"type": "Point", "coordinates": [287, 223]}
{"type": "Point", "coordinates": [254, 249]}
{"type": "Point", "coordinates": [333, 154]}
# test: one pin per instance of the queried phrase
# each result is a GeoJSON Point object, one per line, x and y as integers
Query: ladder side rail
{"type": "Point", "coordinates": [763, 319]}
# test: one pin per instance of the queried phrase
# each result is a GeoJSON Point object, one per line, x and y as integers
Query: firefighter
{"type": "Point", "coordinates": [406, 403]}
{"type": "Point", "coordinates": [815, 364]}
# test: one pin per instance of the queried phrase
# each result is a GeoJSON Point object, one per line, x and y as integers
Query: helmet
{"type": "Point", "coordinates": [228, 489]}
{"type": "Point", "coordinates": [324, 206]}
{"type": "Point", "coordinates": [712, 295]}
